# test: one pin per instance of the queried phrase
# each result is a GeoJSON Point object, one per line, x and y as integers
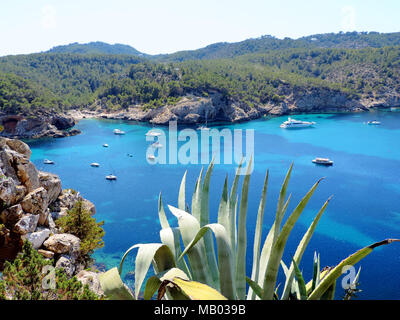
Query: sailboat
{"type": "Point", "coordinates": [204, 127]}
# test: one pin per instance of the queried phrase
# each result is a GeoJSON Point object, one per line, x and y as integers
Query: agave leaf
{"type": "Point", "coordinates": [152, 285]}
{"type": "Point", "coordinates": [316, 272]}
{"type": "Point", "coordinates": [195, 290]}
{"type": "Point", "coordinates": [161, 213]}
{"type": "Point", "coordinates": [181, 197]}
{"type": "Point", "coordinates": [274, 231]}
{"type": "Point", "coordinates": [223, 211]}
{"type": "Point", "coordinates": [160, 253]}
{"type": "Point", "coordinates": [242, 238]}
{"type": "Point", "coordinates": [196, 198]}
{"type": "Point", "coordinates": [189, 227]}
{"type": "Point", "coordinates": [300, 281]}
{"type": "Point", "coordinates": [233, 207]}
{"type": "Point", "coordinates": [257, 236]}
{"type": "Point", "coordinates": [171, 237]}
{"type": "Point", "coordinates": [225, 260]}
{"type": "Point", "coordinates": [204, 220]}
{"type": "Point", "coordinates": [266, 250]}
{"type": "Point", "coordinates": [330, 293]}
{"type": "Point", "coordinates": [113, 286]}
{"type": "Point", "coordinates": [279, 246]}
{"type": "Point", "coordinates": [255, 287]}
{"type": "Point", "coordinates": [300, 250]}
{"type": "Point", "coordinates": [336, 272]}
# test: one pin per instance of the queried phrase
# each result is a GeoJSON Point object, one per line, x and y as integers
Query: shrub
{"type": "Point", "coordinates": [80, 223]}
{"type": "Point", "coordinates": [23, 279]}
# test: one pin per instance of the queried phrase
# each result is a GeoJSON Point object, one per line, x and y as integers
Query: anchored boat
{"type": "Point", "coordinates": [292, 124]}
{"type": "Point", "coordinates": [119, 132]}
{"type": "Point", "coordinates": [47, 161]}
{"type": "Point", "coordinates": [111, 177]}
{"type": "Point", "coordinates": [323, 161]}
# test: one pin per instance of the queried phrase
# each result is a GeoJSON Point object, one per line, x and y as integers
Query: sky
{"type": "Point", "coordinates": [166, 26]}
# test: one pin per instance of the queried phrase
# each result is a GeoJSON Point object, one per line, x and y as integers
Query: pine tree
{"type": "Point", "coordinates": [80, 223]}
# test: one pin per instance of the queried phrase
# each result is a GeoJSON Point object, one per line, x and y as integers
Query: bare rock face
{"type": "Point", "coordinates": [29, 199]}
{"type": "Point", "coordinates": [35, 202]}
{"type": "Point", "coordinates": [92, 280]}
{"type": "Point", "coordinates": [19, 126]}
{"type": "Point", "coordinates": [65, 262]}
{"type": "Point", "coordinates": [26, 224]}
{"type": "Point", "coordinates": [64, 243]}
{"type": "Point", "coordinates": [37, 238]}
{"type": "Point", "coordinates": [51, 183]}
{"type": "Point", "coordinates": [11, 215]}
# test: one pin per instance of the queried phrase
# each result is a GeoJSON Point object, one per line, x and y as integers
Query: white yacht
{"type": "Point", "coordinates": [95, 164]}
{"type": "Point", "coordinates": [111, 177]}
{"type": "Point", "coordinates": [292, 123]}
{"type": "Point", "coordinates": [47, 161]}
{"type": "Point", "coordinates": [119, 132]}
{"type": "Point", "coordinates": [151, 157]}
{"type": "Point", "coordinates": [152, 133]}
{"type": "Point", "coordinates": [323, 161]}
{"type": "Point", "coordinates": [374, 122]}
{"type": "Point", "coordinates": [105, 145]}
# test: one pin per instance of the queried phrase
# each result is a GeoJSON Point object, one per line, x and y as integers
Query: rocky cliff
{"type": "Point", "coordinates": [193, 109]}
{"type": "Point", "coordinates": [31, 201]}
{"type": "Point", "coordinates": [32, 127]}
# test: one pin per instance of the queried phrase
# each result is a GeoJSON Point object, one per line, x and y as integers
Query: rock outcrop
{"type": "Point", "coordinates": [28, 127]}
{"type": "Point", "coordinates": [193, 109]}
{"type": "Point", "coordinates": [30, 201]}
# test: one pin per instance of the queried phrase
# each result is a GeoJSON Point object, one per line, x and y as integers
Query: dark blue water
{"type": "Point", "coordinates": [365, 182]}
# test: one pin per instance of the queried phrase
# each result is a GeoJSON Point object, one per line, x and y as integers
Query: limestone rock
{"type": "Point", "coordinates": [65, 262]}
{"type": "Point", "coordinates": [26, 224]}
{"type": "Point", "coordinates": [8, 190]}
{"type": "Point", "coordinates": [19, 146]}
{"type": "Point", "coordinates": [92, 280]}
{"type": "Point", "coordinates": [37, 238]}
{"type": "Point", "coordinates": [11, 215]}
{"type": "Point", "coordinates": [47, 254]}
{"type": "Point", "coordinates": [51, 183]}
{"type": "Point", "coordinates": [35, 202]}
{"type": "Point", "coordinates": [89, 206]}
{"type": "Point", "coordinates": [64, 243]}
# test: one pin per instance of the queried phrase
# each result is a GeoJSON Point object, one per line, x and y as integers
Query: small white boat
{"type": "Point", "coordinates": [47, 161]}
{"type": "Point", "coordinates": [95, 164]}
{"type": "Point", "coordinates": [118, 132]}
{"type": "Point", "coordinates": [105, 145]}
{"type": "Point", "coordinates": [111, 177]}
{"type": "Point", "coordinates": [374, 122]}
{"type": "Point", "coordinates": [152, 133]}
{"type": "Point", "coordinates": [323, 161]}
{"type": "Point", "coordinates": [203, 128]}
{"type": "Point", "coordinates": [156, 145]}
{"type": "Point", "coordinates": [292, 124]}
{"type": "Point", "coordinates": [151, 157]}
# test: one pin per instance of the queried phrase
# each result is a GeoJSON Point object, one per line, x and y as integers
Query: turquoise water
{"type": "Point", "coordinates": [365, 182]}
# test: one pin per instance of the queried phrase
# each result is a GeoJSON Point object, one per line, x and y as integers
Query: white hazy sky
{"type": "Point", "coordinates": [165, 26]}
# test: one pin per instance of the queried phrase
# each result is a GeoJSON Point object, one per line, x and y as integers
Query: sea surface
{"type": "Point", "coordinates": [364, 182]}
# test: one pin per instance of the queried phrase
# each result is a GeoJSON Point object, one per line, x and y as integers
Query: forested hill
{"type": "Point", "coordinates": [255, 73]}
{"type": "Point", "coordinates": [264, 44]}
{"type": "Point", "coordinates": [96, 48]}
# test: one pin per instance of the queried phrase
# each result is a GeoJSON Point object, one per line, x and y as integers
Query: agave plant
{"type": "Point", "coordinates": [202, 271]}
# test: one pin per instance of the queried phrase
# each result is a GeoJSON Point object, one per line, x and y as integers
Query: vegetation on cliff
{"type": "Point", "coordinates": [24, 279]}
{"type": "Point", "coordinates": [80, 223]}
{"type": "Point", "coordinates": [252, 72]}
